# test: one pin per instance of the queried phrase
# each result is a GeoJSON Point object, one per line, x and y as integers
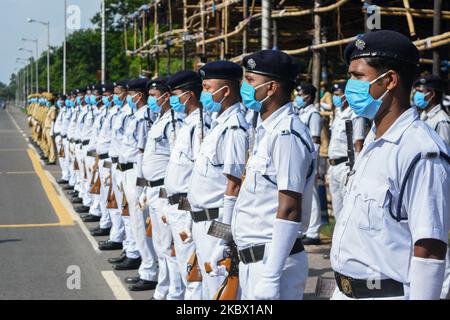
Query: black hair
{"type": "Point", "coordinates": [407, 71]}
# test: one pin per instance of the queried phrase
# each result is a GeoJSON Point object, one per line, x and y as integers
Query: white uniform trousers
{"type": "Point", "coordinates": [129, 242]}
{"type": "Point", "coordinates": [59, 141]}
{"type": "Point", "coordinates": [445, 293]}
{"type": "Point", "coordinates": [178, 220]}
{"type": "Point", "coordinates": [206, 246]}
{"type": "Point", "coordinates": [105, 221]}
{"type": "Point", "coordinates": [69, 162]}
{"type": "Point", "coordinates": [316, 215]}
{"type": "Point", "coordinates": [90, 199]}
{"type": "Point", "coordinates": [293, 277]}
{"type": "Point", "coordinates": [169, 286]}
{"type": "Point", "coordinates": [149, 268]}
{"type": "Point", "coordinates": [336, 180]}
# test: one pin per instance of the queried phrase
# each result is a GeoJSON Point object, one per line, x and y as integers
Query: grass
{"type": "Point", "coordinates": [326, 230]}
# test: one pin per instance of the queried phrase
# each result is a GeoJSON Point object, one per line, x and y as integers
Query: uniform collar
{"type": "Point", "coordinates": [394, 133]}
{"type": "Point", "coordinates": [141, 112]}
{"type": "Point", "coordinates": [434, 111]}
{"type": "Point", "coordinates": [223, 117]}
{"type": "Point", "coordinates": [270, 123]}
{"type": "Point", "coordinates": [164, 116]}
{"type": "Point", "coordinates": [192, 116]}
{"type": "Point", "coordinates": [309, 107]}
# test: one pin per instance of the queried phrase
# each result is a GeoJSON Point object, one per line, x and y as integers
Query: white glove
{"type": "Point", "coordinates": [142, 200]}
{"type": "Point", "coordinates": [228, 207]}
{"type": "Point", "coordinates": [217, 255]}
{"type": "Point", "coordinates": [426, 278]}
{"type": "Point", "coordinates": [107, 180]}
{"type": "Point", "coordinates": [284, 235]}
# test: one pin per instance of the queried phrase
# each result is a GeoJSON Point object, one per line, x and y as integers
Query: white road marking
{"type": "Point", "coordinates": [116, 285]}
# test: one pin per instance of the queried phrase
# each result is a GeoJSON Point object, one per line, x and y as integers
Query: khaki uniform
{"type": "Point", "coordinates": [50, 117]}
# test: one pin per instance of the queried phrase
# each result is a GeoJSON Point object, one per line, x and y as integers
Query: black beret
{"type": "Point", "coordinates": [226, 70]}
{"type": "Point", "coordinates": [62, 96]}
{"type": "Point", "coordinates": [159, 83]}
{"type": "Point", "coordinates": [80, 90]}
{"type": "Point", "coordinates": [137, 84]}
{"type": "Point", "coordinates": [339, 86]}
{"type": "Point", "coordinates": [97, 87]}
{"type": "Point", "coordinates": [272, 63]}
{"type": "Point", "coordinates": [107, 87]}
{"type": "Point", "coordinates": [430, 82]}
{"type": "Point", "coordinates": [307, 88]}
{"type": "Point", "coordinates": [184, 79]}
{"type": "Point", "coordinates": [120, 83]}
{"type": "Point", "coordinates": [383, 44]}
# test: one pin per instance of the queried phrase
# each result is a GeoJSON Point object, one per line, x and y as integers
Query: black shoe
{"type": "Point", "coordinates": [73, 193]}
{"type": "Point", "coordinates": [128, 264]}
{"type": "Point", "coordinates": [90, 218]}
{"type": "Point", "coordinates": [132, 280]}
{"type": "Point", "coordinates": [62, 181]}
{"type": "Point", "coordinates": [44, 159]}
{"type": "Point", "coordinates": [311, 241]}
{"type": "Point", "coordinates": [100, 232]}
{"type": "Point", "coordinates": [69, 187]}
{"type": "Point", "coordinates": [76, 200]}
{"type": "Point", "coordinates": [82, 209]}
{"type": "Point", "coordinates": [110, 245]}
{"type": "Point", "coordinates": [143, 285]}
{"type": "Point", "coordinates": [51, 163]}
{"type": "Point", "coordinates": [118, 259]}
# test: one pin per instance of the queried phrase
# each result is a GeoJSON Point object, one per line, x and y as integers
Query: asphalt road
{"type": "Point", "coordinates": [46, 250]}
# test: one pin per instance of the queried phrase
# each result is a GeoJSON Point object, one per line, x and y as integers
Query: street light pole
{"type": "Point", "coordinates": [103, 41]}
{"type": "Point", "coordinates": [48, 48]}
{"type": "Point", "coordinates": [31, 64]}
{"type": "Point", "coordinates": [37, 61]}
{"type": "Point", "coordinates": [64, 49]}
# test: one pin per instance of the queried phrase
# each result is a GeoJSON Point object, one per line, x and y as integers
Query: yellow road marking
{"type": "Point", "coordinates": [36, 225]}
{"type": "Point", "coordinates": [60, 209]}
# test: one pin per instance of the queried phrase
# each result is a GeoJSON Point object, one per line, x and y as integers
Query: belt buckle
{"type": "Point", "coordinates": [332, 162]}
{"type": "Point", "coordinates": [346, 285]}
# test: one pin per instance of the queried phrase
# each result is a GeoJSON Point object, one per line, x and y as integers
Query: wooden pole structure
{"type": "Point", "coordinates": [156, 40]}
{"type": "Point", "coordinates": [316, 53]}
{"type": "Point", "coordinates": [436, 31]}
{"type": "Point", "coordinates": [265, 24]}
{"type": "Point", "coordinates": [409, 19]}
{"type": "Point", "coordinates": [183, 52]}
{"type": "Point", "coordinates": [168, 41]}
{"type": "Point", "coordinates": [244, 32]}
{"type": "Point", "coordinates": [202, 18]}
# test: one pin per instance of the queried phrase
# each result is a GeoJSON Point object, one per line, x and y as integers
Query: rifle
{"type": "Point", "coordinates": [62, 153]}
{"type": "Point", "coordinates": [95, 184]}
{"type": "Point", "coordinates": [112, 203]}
{"type": "Point", "coordinates": [350, 151]}
{"type": "Point", "coordinates": [148, 230]}
{"type": "Point", "coordinates": [76, 166]}
{"type": "Point", "coordinates": [193, 269]}
{"type": "Point", "coordinates": [125, 210]}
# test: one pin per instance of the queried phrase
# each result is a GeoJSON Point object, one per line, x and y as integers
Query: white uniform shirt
{"type": "Point", "coordinates": [80, 121]}
{"type": "Point", "coordinates": [367, 240]}
{"type": "Point", "coordinates": [439, 121]}
{"type": "Point", "coordinates": [183, 155]}
{"type": "Point", "coordinates": [223, 152]}
{"type": "Point", "coordinates": [338, 141]}
{"type": "Point", "coordinates": [87, 121]}
{"type": "Point", "coordinates": [72, 131]}
{"type": "Point", "coordinates": [66, 120]}
{"type": "Point", "coordinates": [119, 122]}
{"type": "Point", "coordinates": [282, 159]}
{"type": "Point", "coordinates": [105, 131]}
{"type": "Point", "coordinates": [59, 120]}
{"type": "Point", "coordinates": [96, 126]}
{"type": "Point", "coordinates": [311, 117]}
{"type": "Point", "coordinates": [135, 137]}
{"type": "Point", "coordinates": [157, 150]}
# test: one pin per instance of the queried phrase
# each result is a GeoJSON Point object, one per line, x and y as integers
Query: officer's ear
{"type": "Point", "coordinates": [392, 79]}
{"type": "Point", "coordinates": [431, 95]}
{"type": "Point", "coordinates": [272, 88]}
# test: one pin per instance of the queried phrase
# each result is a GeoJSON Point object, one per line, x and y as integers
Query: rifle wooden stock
{"type": "Point", "coordinates": [194, 274]}
{"type": "Point", "coordinates": [95, 187]}
{"type": "Point", "coordinates": [112, 203]}
{"type": "Point", "coordinates": [148, 230]}
{"type": "Point", "coordinates": [76, 166]}
{"type": "Point", "coordinates": [183, 236]}
{"type": "Point", "coordinates": [125, 210]}
{"type": "Point", "coordinates": [228, 290]}
{"type": "Point", "coordinates": [172, 252]}
{"type": "Point", "coordinates": [85, 171]}
{"type": "Point", "coordinates": [62, 152]}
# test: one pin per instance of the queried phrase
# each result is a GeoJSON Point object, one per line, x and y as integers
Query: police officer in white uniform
{"type": "Point", "coordinates": [217, 173]}
{"type": "Point", "coordinates": [390, 239]}
{"type": "Point", "coordinates": [309, 115]}
{"type": "Point", "coordinates": [273, 207]}
{"type": "Point", "coordinates": [337, 149]}
{"type": "Point", "coordinates": [130, 164]}
{"type": "Point", "coordinates": [427, 98]}
{"type": "Point", "coordinates": [156, 156]}
{"type": "Point", "coordinates": [64, 162]}
{"type": "Point", "coordinates": [59, 140]}
{"type": "Point", "coordinates": [186, 87]}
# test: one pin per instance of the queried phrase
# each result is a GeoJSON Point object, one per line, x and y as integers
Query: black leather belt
{"type": "Point", "coordinates": [114, 159]}
{"type": "Point", "coordinates": [358, 288]}
{"type": "Point", "coordinates": [103, 156]}
{"type": "Point", "coordinates": [77, 141]}
{"type": "Point", "coordinates": [91, 154]}
{"type": "Point", "coordinates": [85, 142]}
{"type": "Point", "coordinates": [175, 199]}
{"type": "Point", "coordinates": [64, 136]}
{"type": "Point", "coordinates": [141, 182]}
{"type": "Point", "coordinates": [335, 162]}
{"type": "Point", "coordinates": [72, 140]}
{"type": "Point", "coordinates": [256, 253]}
{"type": "Point", "coordinates": [57, 134]}
{"type": "Point", "coordinates": [205, 215]}
{"type": "Point", "coordinates": [125, 166]}
{"type": "Point", "coordinates": [156, 183]}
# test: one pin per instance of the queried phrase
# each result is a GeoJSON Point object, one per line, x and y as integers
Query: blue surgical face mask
{"type": "Point", "coordinates": [131, 103]}
{"type": "Point", "coordinates": [208, 101]}
{"type": "Point", "coordinates": [117, 100]}
{"type": "Point", "coordinates": [299, 101]}
{"type": "Point", "coordinates": [337, 101]}
{"type": "Point", "coordinates": [106, 101]}
{"type": "Point", "coordinates": [176, 105]}
{"type": "Point", "coordinates": [93, 100]}
{"type": "Point", "coordinates": [78, 99]}
{"type": "Point", "coordinates": [59, 104]}
{"type": "Point", "coordinates": [87, 99]}
{"type": "Point", "coordinates": [419, 99]}
{"type": "Point", "coordinates": [360, 100]}
{"type": "Point", "coordinates": [48, 103]}
{"type": "Point", "coordinates": [248, 96]}
{"type": "Point", "coordinates": [153, 103]}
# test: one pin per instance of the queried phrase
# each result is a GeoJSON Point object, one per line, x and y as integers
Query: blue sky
{"type": "Point", "coordinates": [14, 26]}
